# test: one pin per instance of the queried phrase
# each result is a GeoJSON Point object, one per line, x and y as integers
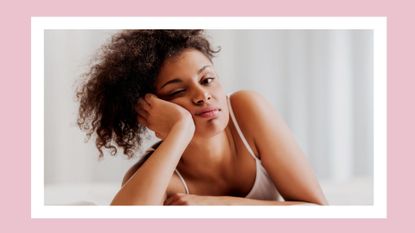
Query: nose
{"type": "Point", "coordinates": [201, 96]}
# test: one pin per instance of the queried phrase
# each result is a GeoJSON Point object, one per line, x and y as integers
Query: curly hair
{"type": "Point", "coordinates": [125, 70]}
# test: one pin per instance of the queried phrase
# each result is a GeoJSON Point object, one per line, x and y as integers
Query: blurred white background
{"type": "Point", "coordinates": [321, 81]}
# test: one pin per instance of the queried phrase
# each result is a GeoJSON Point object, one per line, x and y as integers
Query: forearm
{"type": "Point", "coordinates": [191, 199]}
{"type": "Point", "coordinates": [148, 185]}
{"type": "Point", "coordinates": [229, 200]}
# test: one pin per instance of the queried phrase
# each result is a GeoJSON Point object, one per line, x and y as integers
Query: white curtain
{"type": "Point", "coordinates": [319, 80]}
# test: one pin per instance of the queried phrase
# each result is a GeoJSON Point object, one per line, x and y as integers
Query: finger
{"type": "Point", "coordinates": [149, 98]}
{"type": "Point", "coordinates": [142, 109]}
{"type": "Point", "coordinates": [172, 199]}
{"type": "Point", "coordinates": [142, 117]}
{"type": "Point", "coordinates": [180, 202]}
{"type": "Point", "coordinates": [142, 120]}
{"type": "Point", "coordinates": [158, 135]}
{"type": "Point", "coordinates": [142, 105]}
{"type": "Point", "coordinates": [169, 201]}
{"type": "Point", "coordinates": [143, 113]}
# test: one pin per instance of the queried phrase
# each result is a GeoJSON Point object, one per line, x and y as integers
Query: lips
{"type": "Point", "coordinates": [208, 112]}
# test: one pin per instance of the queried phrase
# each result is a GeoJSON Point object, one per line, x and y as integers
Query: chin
{"type": "Point", "coordinates": [212, 127]}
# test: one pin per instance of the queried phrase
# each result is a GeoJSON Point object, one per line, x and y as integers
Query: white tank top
{"type": "Point", "coordinates": [263, 188]}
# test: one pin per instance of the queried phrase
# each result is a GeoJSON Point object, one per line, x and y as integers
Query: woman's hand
{"type": "Point", "coordinates": [190, 199]}
{"type": "Point", "coordinates": [161, 116]}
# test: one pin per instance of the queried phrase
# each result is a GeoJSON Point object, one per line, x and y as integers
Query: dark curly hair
{"type": "Point", "coordinates": [124, 70]}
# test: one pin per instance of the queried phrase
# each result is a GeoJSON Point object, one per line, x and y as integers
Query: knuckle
{"type": "Point", "coordinates": [148, 97]}
{"type": "Point", "coordinates": [140, 102]}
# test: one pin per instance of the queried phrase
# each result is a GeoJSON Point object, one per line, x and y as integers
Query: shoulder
{"type": "Point", "coordinates": [249, 107]}
{"type": "Point", "coordinates": [245, 95]}
{"type": "Point", "coordinates": [248, 102]}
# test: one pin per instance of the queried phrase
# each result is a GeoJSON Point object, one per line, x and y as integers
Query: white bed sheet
{"type": "Point", "coordinates": [354, 192]}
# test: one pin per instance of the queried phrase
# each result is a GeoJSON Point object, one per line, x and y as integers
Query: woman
{"type": "Point", "coordinates": [214, 150]}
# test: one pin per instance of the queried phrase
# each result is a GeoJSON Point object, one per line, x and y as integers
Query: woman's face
{"type": "Point", "coordinates": [190, 81]}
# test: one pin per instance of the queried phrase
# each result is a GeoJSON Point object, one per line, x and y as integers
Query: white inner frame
{"type": "Point", "coordinates": [377, 210]}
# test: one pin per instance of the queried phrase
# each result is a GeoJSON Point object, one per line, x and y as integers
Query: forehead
{"type": "Point", "coordinates": [186, 63]}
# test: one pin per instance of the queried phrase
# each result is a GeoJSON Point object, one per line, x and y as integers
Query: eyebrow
{"type": "Point", "coordinates": [176, 80]}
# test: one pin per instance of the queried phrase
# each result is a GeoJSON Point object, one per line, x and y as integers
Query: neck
{"type": "Point", "coordinates": [209, 153]}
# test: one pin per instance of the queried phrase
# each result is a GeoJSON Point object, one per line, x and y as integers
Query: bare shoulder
{"type": "Point", "coordinates": [245, 95]}
{"type": "Point", "coordinates": [248, 106]}
{"type": "Point", "coordinates": [246, 102]}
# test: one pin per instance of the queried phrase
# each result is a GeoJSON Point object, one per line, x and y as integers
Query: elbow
{"type": "Point", "coordinates": [128, 200]}
{"type": "Point", "coordinates": [317, 198]}
{"type": "Point", "coordinates": [120, 202]}
{"type": "Point", "coordinates": [316, 203]}
{"type": "Point", "coordinates": [319, 201]}
{"type": "Point", "coordinates": [322, 203]}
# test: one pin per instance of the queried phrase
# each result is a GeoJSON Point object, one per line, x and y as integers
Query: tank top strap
{"type": "Point", "coordinates": [238, 129]}
{"type": "Point", "coordinates": [182, 180]}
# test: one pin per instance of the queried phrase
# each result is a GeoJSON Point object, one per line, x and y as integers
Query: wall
{"type": "Point", "coordinates": [319, 80]}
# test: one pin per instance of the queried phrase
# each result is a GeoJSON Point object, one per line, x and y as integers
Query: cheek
{"type": "Point", "coordinates": [221, 96]}
{"type": "Point", "coordinates": [217, 90]}
{"type": "Point", "coordinates": [182, 101]}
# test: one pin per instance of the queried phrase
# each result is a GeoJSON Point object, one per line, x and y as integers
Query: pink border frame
{"type": "Point", "coordinates": [15, 172]}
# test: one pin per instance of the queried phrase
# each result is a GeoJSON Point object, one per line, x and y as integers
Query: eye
{"type": "Point", "coordinates": [175, 93]}
{"type": "Point", "coordinates": [207, 81]}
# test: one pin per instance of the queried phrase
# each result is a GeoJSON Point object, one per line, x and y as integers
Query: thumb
{"type": "Point", "coordinates": [149, 98]}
